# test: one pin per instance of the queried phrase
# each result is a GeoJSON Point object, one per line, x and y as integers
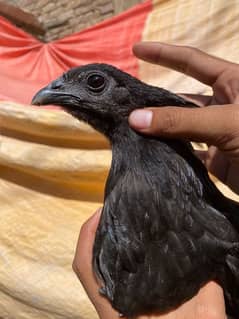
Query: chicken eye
{"type": "Point", "coordinates": [96, 82]}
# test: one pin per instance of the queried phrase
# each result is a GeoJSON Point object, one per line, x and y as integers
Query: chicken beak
{"type": "Point", "coordinates": [50, 94]}
{"type": "Point", "coordinates": [43, 97]}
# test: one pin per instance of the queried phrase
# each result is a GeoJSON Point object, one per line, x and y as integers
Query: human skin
{"type": "Point", "coordinates": [217, 124]}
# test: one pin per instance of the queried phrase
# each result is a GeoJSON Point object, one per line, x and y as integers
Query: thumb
{"type": "Point", "coordinates": [216, 125]}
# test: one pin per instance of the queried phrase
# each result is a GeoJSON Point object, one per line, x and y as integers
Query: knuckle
{"type": "Point", "coordinates": [227, 84]}
{"type": "Point", "coordinates": [190, 52]}
{"type": "Point", "coordinates": [235, 115]}
{"type": "Point", "coordinates": [84, 228]}
{"type": "Point", "coordinates": [77, 267]}
{"type": "Point", "coordinates": [231, 129]}
{"type": "Point", "coordinates": [168, 123]}
{"type": "Point", "coordinates": [74, 266]}
{"type": "Point", "coordinates": [223, 91]}
{"type": "Point", "coordinates": [233, 119]}
{"type": "Point", "coordinates": [156, 55]}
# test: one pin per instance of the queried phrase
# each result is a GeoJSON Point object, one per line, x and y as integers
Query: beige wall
{"type": "Point", "coordinates": [64, 17]}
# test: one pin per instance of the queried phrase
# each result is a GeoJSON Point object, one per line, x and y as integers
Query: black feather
{"type": "Point", "coordinates": [165, 229]}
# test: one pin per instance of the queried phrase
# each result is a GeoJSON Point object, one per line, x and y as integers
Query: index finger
{"type": "Point", "coordinates": [190, 61]}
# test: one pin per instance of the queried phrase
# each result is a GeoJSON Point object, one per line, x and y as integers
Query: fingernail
{"type": "Point", "coordinates": [141, 119]}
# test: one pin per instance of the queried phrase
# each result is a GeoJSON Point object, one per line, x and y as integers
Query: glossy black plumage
{"type": "Point", "coordinates": [165, 229]}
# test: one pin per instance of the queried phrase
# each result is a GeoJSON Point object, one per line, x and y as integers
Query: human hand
{"type": "Point", "coordinates": [82, 266]}
{"type": "Point", "coordinates": [207, 304]}
{"type": "Point", "coordinates": [214, 125]}
{"type": "Point", "coordinates": [220, 74]}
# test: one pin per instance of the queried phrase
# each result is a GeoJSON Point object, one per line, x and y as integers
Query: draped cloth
{"type": "Point", "coordinates": [52, 167]}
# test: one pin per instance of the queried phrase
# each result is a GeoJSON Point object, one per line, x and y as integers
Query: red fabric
{"type": "Point", "coordinates": [27, 64]}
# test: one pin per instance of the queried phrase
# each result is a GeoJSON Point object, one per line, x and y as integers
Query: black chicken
{"type": "Point", "coordinates": [165, 229]}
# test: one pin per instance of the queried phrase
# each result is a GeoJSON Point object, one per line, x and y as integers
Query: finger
{"type": "Point", "coordinates": [187, 60]}
{"type": "Point", "coordinates": [210, 301]}
{"type": "Point", "coordinates": [86, 239]}
{"type": "Point", "coordinates": [213, 124]}
{"type": "Point", "coordinates": [83, 267]}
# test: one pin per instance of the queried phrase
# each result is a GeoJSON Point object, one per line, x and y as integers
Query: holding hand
{"type": "Point", "coordinates": [215, 125]}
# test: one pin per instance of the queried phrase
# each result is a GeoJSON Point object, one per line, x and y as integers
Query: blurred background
{"type": "Point", "coordinates": [57, 19]}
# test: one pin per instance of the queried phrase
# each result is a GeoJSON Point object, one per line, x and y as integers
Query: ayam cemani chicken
{"type": "Point", "coordinates": [165, 228]}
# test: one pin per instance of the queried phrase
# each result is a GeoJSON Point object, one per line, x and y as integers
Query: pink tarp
{"type": "Point", "coordinates": [27, 64]}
